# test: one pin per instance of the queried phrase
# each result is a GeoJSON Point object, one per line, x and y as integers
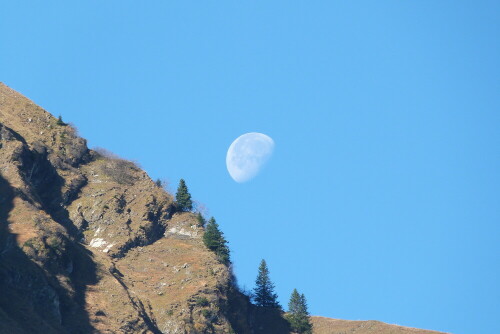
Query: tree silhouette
{"type": "Point", "coordinates": [183, 197]}
{"type": "Point", "coordinates": [298, 315]}
{"type": "Point", "coordinates": [215, 241]}
{"type": "Point", "coordinates": [264, 294]}
{"type": "Point", "coordinates": [60, 121]}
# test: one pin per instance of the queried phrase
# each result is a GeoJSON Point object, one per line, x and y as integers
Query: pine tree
{"type": "Point", "coordinates": [200, 219]}
{"type": "Point", "coordinates": [298, 315]}
{"type": "Point", "coordinates": [159, 183]}
{"type": "Point", "coordinates": [215, 241]}
{"type": "Point", "coordinates": [183, 197]}
{"type": "Point", "coordinates": [60, 121]}
{"type": "Point", "coordinates": [264, 294]}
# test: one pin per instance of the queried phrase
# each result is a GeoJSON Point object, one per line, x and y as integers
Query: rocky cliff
{"type": "Point", "coordinates": [90, 244]}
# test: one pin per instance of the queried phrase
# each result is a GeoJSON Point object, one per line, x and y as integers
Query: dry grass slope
{"type": "Point", "coordinates": [336, 326]}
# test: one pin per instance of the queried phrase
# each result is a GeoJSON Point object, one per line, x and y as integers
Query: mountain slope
{"type": "Point", "coordinates": [90, 244]}
{"type": "Point", "coordinates": [336, 326]}
{"type": "Point", "coordinates": [81, 252]}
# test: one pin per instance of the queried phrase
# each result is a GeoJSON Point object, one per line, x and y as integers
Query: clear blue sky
{"type": "Point", "coordinates": [382, 198]}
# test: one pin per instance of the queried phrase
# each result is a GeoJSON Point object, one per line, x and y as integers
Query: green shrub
{"type": "Point", "coordinates": [202, 301]}
{"type": "Point", "coordinates": [206, 313]}
{"type": "Point", "coordinates": [54, 243]}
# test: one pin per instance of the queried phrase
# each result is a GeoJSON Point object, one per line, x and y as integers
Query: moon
{"type": "Point", "coordinates": [247, 155]}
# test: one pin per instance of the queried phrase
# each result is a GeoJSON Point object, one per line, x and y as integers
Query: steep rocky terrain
{"type": "Point", "coordinates": [90, 244]}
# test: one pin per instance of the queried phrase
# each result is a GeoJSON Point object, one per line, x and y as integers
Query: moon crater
{"type": "Point", "coordinates": [247, 155]}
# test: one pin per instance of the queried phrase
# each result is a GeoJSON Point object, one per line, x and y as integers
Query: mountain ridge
{"type": "Point", "coordinates": [90, 244]}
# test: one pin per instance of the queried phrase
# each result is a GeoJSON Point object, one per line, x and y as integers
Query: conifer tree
{"type": "Point", "coordinates": [200, 219]}
{"type": "Point", "coordinates": [215, 241]}
{"type": "Point", "coordinates": [264, 294]}
{"type": "Point", "coordinates": [60, 121]}
{"type": "Point", "coordinates": [183, 197]}
{"type": "Point", "coordinates": [298, 315]}
{"type": "Point", "coordinates": [159, 183]}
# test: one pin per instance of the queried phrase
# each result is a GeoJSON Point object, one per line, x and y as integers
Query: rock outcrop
{"type": "Point", "coordinates": [90, 244]}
